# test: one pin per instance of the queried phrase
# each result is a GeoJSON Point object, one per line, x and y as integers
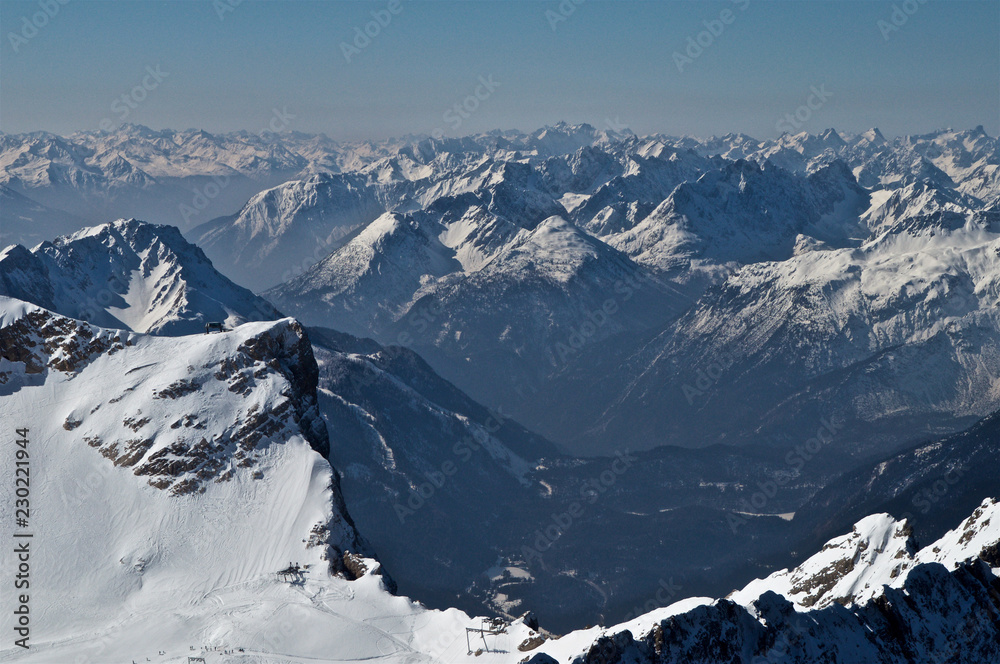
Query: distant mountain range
{"type": "Point", "coordinates": [809, 275]}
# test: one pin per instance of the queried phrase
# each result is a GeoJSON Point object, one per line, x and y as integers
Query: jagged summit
{"type": "Point", "coordinates": [867, 596]}
{"type": "Point", "coordinates": [129, 274]}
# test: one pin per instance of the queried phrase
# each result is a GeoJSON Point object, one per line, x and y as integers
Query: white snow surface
{"type": "Point", "coordinates": [122, 570]}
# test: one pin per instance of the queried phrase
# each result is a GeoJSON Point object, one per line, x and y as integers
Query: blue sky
{"type": "Point", "coordinates": [606, 63]}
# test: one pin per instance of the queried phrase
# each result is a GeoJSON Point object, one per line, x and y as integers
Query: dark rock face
{"type": "Point", "coordinates": [541, 658]}
{"type": "Point", "coordinates": [41, 341]}
{"type": "Point", "coordinates": [290, 353]}
{"type": "Point", "coordinates": [937, 616]}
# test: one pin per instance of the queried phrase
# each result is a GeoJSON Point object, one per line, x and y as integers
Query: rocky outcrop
{"type": "Point", "coordinates": [941, 605]}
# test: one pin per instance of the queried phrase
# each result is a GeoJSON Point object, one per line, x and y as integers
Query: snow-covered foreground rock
{"type": "Point", "coordinates": [171, 478]}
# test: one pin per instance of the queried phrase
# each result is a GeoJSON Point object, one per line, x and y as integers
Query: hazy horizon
{"type": "Point", "coordinates": [388, 68]}
{"type": "Point", "coordinates": [509, 130]}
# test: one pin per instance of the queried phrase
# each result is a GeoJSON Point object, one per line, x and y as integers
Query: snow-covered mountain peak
{"type": "Point", "coordinates": [832, 136]}
{"type": "Point", "coordinates": [127, 232]}
{"type": "Point", "coordinates": [130, 274]}
{"type": "Point", "coordinates": [555, 247]}
{"type": "Point", "coordinates": [976, 537]}
{"type": "Point", "coordinates": [918, 208]}
{"type": "Point", "coordinates": [564, 138]}
{"type": "Point", "coordinates": [555, 233]}
{"type": "Point", "coordinates": [477, 236]}
{"type": "Point", "coordinates": [873, 137]}
{"type": "Point", "coordinates": [879, 551]}
{"type": "Point", "coordinates": [745, 212]}
{"type": "Point", "coordinates": [809, 146]}
{"type": "Point", "coordinates": [850, 568]}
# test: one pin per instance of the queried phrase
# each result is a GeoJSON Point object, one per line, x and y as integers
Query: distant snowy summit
{"type": "Point", "coordinates": [811, 254]}
{"type": "Point", "coordinates": [129, 274]}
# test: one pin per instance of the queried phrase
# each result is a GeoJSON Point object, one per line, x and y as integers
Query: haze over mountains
{"type": "Point", "coordinates": [449, 247]}
{"type": "Point", "coordinates": [710, 356]}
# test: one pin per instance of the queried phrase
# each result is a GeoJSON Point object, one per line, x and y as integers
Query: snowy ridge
{"type": "Point", "coordinates": [838, 606]}
{"type": "Point", "coordinates": [129, 274]}
{"type": "Point", "coordinates": [849, 570]}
